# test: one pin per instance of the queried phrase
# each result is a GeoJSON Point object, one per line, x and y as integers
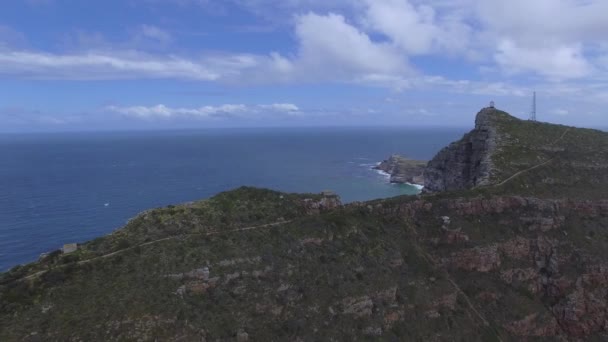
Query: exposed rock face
{"type": "Point", "coordinates": [523, 263]}
{"type": "Point", "coordinates": [403, 170]}
{"type": "Point", "coordinates": [466, 163]}
{"type": "Point", "coordinates": [328, 202]}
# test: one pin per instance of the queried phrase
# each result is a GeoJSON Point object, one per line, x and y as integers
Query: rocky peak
{"type": "Point", "coordinates": [485, 117]}
{"type": "Point", "coordinates": [466, 163]}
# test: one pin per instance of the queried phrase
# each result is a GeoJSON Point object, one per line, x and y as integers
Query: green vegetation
{"type": "Point", "coordinates": [276, 266]}
{"type": "Point", "coordinates": [574, 160]}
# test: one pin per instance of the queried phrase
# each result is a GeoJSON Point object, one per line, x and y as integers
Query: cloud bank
{"type": "Point", "coordinates": [370, 42]}
{"type": "Point", "coordinates": [161, 111]}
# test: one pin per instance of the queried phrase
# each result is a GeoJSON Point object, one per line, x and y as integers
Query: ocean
{"type": "Point", "coordinates": [73, 187]}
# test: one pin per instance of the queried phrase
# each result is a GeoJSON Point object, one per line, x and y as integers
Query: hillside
{"type": "Point", "coordinates": [403, 170]}
{"type": "Point", "coordinates": [523, 157]}
{"type": "Point", "coordinates": [517, 251]}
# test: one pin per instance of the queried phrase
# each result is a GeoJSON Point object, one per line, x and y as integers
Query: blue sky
{"type": "Point", "coordinates": [153, 64]}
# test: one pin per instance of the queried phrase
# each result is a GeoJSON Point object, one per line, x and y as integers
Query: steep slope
{"type": "Point", "coordinates": [467, 163]}
{"type": "Point", "coordinates": [403, 170]}
{"type": "Point", "coordinates": [523, 157]}
{"type": "Point", "coordinates": [486, 264]}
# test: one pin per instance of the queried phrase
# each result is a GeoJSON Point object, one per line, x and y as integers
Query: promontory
{"type": "Point", "coordinates": [509, 244]}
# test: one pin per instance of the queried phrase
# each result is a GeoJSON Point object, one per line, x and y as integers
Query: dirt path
{"type": "Point", "coordinates": [215, 232]}
{"type": "Point", "coordinates": [517, 174]}
{"type": "Point", "coordinates": [562, 136]}
{"type": "Point", "coordinates": [429, 258]}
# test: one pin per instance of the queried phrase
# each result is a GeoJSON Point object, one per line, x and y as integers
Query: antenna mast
{"type": "Point", "coordinates": [533, 113]}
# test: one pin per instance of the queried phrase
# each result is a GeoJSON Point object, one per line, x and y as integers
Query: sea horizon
{"type": "Point", "coordinates": [62, 188]}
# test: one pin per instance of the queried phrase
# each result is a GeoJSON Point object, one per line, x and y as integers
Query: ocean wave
{"type": "Point", "coordinates": [417, 186]}
{"type": "Point", "coordinates": [384, 174]}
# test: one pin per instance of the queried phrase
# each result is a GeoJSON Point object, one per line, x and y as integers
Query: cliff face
{"type": "Point", "coordinates": [514, 255]}
{"type": "Point", "coordinates": [523, 157]}
{"type": "Point", "coordinates": [466, 163]}
{"type": "Point", "coordinates": [403, 170]}
{"type": "Point", "coordinates": [524, 260]}
{"type": "Point", "coordinates": [504, 268]}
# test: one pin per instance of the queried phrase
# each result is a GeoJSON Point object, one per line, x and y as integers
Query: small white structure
{"type": "Point", "coordinates": [69, 248]}
{"type": "Point", "coordinates": [491, 104]}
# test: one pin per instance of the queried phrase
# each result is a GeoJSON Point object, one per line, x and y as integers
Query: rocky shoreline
{"type": "Point", "coordinates": [403, 170]}
{"type": "Point", "coordinates": [523, 259]}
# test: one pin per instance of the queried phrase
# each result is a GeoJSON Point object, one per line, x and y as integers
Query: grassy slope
{"type": "Point", "coordinates": [128, 295]}
{"type": "Point", "coordinates": [308, 277]}
{"type": "Point", "coordinates": [226, 211]}
{"type": "Point", "coordinates": [295, 279]}
{"type": "Point", "coordinates": [577, 159]}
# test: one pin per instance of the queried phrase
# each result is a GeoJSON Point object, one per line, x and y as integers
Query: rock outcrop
{"type": "Point", "coordinates": [518, 263]}
{"type": "Point", "coordinates": [466, 163]}
{"type": "Point", "coordinates": [327, 202]}
{"type": "Point", "coordinates": [403, 170]}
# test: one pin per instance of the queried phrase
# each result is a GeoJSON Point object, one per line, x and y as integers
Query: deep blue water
{"type": "Point", "coordinates": [61, 188]}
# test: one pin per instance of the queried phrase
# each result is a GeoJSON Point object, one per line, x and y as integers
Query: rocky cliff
{"type": "Point", "coordinates": [517, 156]}
{"type": "Point", "coordinates": [466, 163]}
{"type": "Point", "coordinates": [403, 170]}
{"type": "Point", "coordinates": [524, 258]}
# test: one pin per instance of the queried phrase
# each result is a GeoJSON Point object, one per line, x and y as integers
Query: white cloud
{"type": "Point", "coordinates": [561, 21]}
{"type": "Point", "coordinates": [161, 111]}
{"type": "Point", "coordinates": [370, 42]}
{"type": "Point", "coordinates": [329, 47]}
{"type": "Point", "coordinates": [281, 107]}
{"type": "Point", "coordinates": [549, 38]}
{"type": "Point", "coordinates": [417, 29]}
{"type": "Point", "coordinates": [155, 33]}
{"type": "Point", "coordinates": [553, 62]}
{"type": "Point", "coordinates": [100, 66]}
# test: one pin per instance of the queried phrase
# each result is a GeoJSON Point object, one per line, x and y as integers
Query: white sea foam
{"type": "Point", "coordinates": [384, 174]}
{"type": "Point", "coordinates": [417, 186]}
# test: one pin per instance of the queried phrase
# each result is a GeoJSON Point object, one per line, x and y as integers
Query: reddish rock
{"type": "Point", "coordinates": [518, 248]}
{"type": "Point", "coordinates": [533, 326]}
{"type": "Point", "coordinates": [486, 296]}
{"type": "Point", "coordinates": [583, 312]}
{"type": "Point", "coordinates": [481, 259]}
{"type": "Point", "coordinates": [528, 276]}
{"type": "Point", "coordinates": [446, 302]}
{"type": "Point", "coordinates": [391, 318]}
{"type": "Point", "coordinates": [451, 237]}
{"type": "Point", "coordinates": [360, 307]}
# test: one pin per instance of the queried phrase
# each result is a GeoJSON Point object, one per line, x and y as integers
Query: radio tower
{"type": "Point", "coordinates": [533, 113]}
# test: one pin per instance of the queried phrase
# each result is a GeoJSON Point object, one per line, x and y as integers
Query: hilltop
{"type": "Point", "coordinates": [510, 244]}
{"type": "Point", "coordinates": [523, 157]}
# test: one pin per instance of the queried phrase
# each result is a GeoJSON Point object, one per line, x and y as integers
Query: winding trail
{"type": "Point", "coordinates": [215, 232]}
{"type": "Point", "coordinates": [435, 264]}
{"type": "Point", "coordinates": [519, 173]}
